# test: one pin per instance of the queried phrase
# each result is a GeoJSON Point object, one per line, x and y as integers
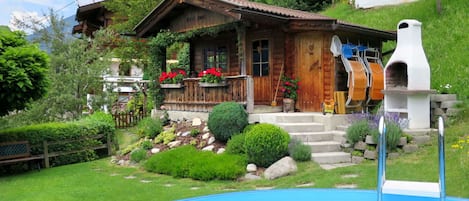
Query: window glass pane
{"type": "Point", "coordinates": [265, 69]}
{"type": "Point", "coordinates": [265, 55]}
{"type": "Point", "coordinates": [265, 44]}
{"type": "Point", "coordinates": [256, 70]}
{"type": "Point", "coordinates": [256, 57]}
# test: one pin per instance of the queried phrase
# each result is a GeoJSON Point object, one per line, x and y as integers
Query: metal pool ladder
{"type": "Point", "coordinates": [411, 188]}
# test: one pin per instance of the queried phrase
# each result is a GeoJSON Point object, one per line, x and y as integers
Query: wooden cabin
{"type": "Point", "coordinates": [92, 17]}
{"type": "Point", "coordinates": [263, 42]}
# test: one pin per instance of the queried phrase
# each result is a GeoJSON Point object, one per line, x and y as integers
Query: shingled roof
{"type": "Point", "coordinates": [286, 12]}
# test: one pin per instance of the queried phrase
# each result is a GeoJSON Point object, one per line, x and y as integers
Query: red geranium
{"type": "Point", "coordinates": [172, 77]}
{"type": "Point", "coordinates": [211, 75]}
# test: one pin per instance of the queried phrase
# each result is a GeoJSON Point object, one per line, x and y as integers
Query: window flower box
{"type": "Point", "coordinates": [171, 86]}
{"type": "Point", "coordinates": [207, 84]}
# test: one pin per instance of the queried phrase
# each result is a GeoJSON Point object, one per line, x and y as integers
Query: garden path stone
{"type": "Point", "coordinates": [349, 176]}
{"type": "Point", "coordinates": [265, 188]}
{"type": "Point", "coordinates": [168, 185]}
{"type": "Point", "coordinates": [145, 181]}
{"type": "Point", "coordinates": [346, 186]}
{"type": "Point", "coordinates": [130, 177]}
{"type": "Point", "coordinates": [208, 148]}
{"type": "Point", "coordinates": [334, 166]}
{"type": "Point", "coordinates": [114, 174]}
{"type": "Point", "coordinates": [195, 188]}
{"type": "Point", "coordinates": [305, 185]}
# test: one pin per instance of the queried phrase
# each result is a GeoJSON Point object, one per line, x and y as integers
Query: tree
{"type": "Point", "coordinates": [127, 14]}
{"type": "Point", "coordinates": [23, 71]}
{"type": "Point", "coordinates": [76, 69]}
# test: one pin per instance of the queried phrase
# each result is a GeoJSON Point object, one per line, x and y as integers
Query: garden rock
{"type": "Point", "coordinates": [221, 150]}
{"type": "Point", "coordinates": [155, 150]}
{"type": "Point", "coordinates": [196, 122]}
{"type": "Point", "coordinates": [360, 145]}
{"type": "Point", "coordinates": [370, 154]}
{"type": "Point", "coordinates": [357, 159]}
{"type": "Point", "coordinates": [409, 148]}
{"type": "Point", "coordinates": [250, 177]}
{"type": "Point", "coordinates": [402, 141]}
{"type": "Point", "coordinates": [369, 140]}
{"type": "Point", "coordinates": [205, 130]}
{"type": "Point", "coordinates": [185, 133]}
{"type": "Point", "coordinates": [211, 140]}
{"type": "Point", "coordinates": [174, 144]}
{"type": "Point", "coordinates": [251, 167]}
{"type": "Point", "coordinates": [393, 155]}
{"type": "Point", "coordinates": [281, 168]}
{"type": "Point", "coordinates": [424, 139]}
{"type": "Point", "coordinates": [208, 148]}
{"type": "Point", "coordinates": [205, 136]}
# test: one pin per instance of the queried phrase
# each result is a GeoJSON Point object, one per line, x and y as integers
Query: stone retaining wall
{"type": "Point", "coordinates": [444, 105]}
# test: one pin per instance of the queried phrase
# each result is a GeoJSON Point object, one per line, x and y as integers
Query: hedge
{"type": "Point", "coordinates": [96, 124]}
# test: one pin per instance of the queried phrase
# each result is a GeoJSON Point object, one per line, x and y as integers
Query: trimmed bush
{"type": "Point", "coordinates": [138, 155]}
{"type": "Point", "coordinates": [227, 119]}
{"type": "Point", "coordinates": [188, 162]}
{"type": "Point", "coordinates": [299, 151]}
{"type": "Point", "coordinates": [149, 127]}
{"type": "Point", "coordinates": [147, 144]}
{"type": "Point", "coordinates": [358, 131]}
{"type": "Point", "coordinates": [236, 145]}
{"type": "Point", "coordinates": [265, 144]}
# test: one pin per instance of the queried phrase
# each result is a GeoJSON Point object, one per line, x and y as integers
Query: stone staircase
{"type": "Point", "coordinates": [324, 133]}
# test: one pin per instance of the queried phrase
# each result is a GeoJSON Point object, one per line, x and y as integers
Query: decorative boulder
{"type": "Point", "coordinates": [283, 167]}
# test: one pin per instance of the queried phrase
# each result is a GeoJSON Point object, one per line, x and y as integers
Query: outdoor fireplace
{"type": "Point", "coordinates": [407, 77]}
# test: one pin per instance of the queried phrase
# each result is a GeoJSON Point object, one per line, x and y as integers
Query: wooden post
{"type": "Point", "coordinates": [250, 94]}
{"type": "Point", "coordinates": [109, 144]}
{"type": "Point", "coordinates": [46, 154]}
{"type": "Point", "coordinates": [241, 36]}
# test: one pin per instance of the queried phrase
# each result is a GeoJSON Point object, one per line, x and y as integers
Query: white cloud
{"type": "Point", "coordinates": [23, 16]}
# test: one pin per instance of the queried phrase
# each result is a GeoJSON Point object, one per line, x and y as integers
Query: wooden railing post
{"type": "Point", "coordinates": [250, 94]}
{"type": "Point", "coordinates": [46, 154]}
{"type": "Point", "coordinates": [108, 142]}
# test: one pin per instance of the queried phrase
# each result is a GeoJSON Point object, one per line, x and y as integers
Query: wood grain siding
{"type": "Point", "coordinates": [264, 87]}
{"type": "Point", "coordinates": [328, 67]}
{"type": "Point", "coordinates": [227, 40]}
{"type": "Point", "coordinates": [196, 18]}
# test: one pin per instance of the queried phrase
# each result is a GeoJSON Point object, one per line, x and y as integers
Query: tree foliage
{"type": "Point", "coordinates": [127, 14]}
{"type": "Point", "coordinates": [76, 67]}
{"type": "Point", "coordinates": [305, 5]}
{"type": "Point", "coordinates": [23, 70]}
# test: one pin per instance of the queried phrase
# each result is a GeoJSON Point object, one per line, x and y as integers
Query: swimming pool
{"type": "Point", "coordinates": [312, 194]}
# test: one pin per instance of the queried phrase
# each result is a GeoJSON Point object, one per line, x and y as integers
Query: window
{"type": "Point", "coordinates": [216, 57]}
{"type": "Point", "coordinates": [260, 58]}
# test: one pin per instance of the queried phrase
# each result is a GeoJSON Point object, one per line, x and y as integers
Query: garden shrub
{"type": "Point", "coordinates": [299, 151]}
{"type": "Point", "coordinates": [227, 119]}
{"type": "Point", "coordinates": [265, 144]}
{"type": "Point", "coordinates": [138, 155]}
{"type": "Point", "coordinates": [358, 131]}
{"type": "Point", "coordinates": [188, 162]}
{"type": "Point", "coordinates": [393, 135]}
{"type": "Point", "coordinates": [147, 145]}
{"type": "Point", "coordinates": [235, 145]}
{"type": "Point", "coordinates": [149, 127]}
{"type": "Point", "coordinates": [166, 136]}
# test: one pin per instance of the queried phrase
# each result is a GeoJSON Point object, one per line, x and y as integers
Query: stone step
{"type": "Point", "coordinates": [342, 127]}
{"type": "Point", "coordinates": [313, 136]}
{"type": "Point", "coordinates": [302, 127]}
{"type": "Point", "coordinates": [331, 157]}
{"type": "Point", "coordinates": [324, 146]}
{"type": "Point", "coordinates": [295, 118]}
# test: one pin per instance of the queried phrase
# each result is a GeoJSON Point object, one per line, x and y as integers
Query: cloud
{"type": "Point", "coordinates": [23, 16]}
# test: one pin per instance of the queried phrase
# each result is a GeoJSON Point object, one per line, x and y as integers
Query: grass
{"type": "Point", "coordinates": [100, 180]}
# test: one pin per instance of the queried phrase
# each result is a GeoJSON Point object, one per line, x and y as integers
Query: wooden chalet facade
{"type": "Point", "coordinates": [263, 42]}
{"type": "Point", "coordinates": [92, 17]}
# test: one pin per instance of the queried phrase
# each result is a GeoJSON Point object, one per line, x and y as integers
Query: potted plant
{"type": "Point", "coordinates": [290, 89]}
{"type": "Point", "coordinates": [211, 77]}
{"type": "Point", "coordinates": [172, 79]}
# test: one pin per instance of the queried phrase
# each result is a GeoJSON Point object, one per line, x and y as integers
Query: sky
{"type": "Point", "coordinates": [37, 8]}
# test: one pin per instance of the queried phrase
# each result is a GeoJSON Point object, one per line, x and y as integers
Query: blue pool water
{"type": "Point", "coordinates": [312, 195]}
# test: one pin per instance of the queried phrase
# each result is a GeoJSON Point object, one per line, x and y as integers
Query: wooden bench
{"type": "Point", "coordinates": [17, 151]}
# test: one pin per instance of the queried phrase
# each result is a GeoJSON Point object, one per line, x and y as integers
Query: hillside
{"type": "Point", "coordinates": [445, 37]}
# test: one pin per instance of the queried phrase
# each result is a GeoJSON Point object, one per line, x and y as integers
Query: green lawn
{"type": "Point", "coordinates": [100, 180]}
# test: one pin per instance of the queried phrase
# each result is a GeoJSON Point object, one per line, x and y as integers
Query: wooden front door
{"type": "Point", "coordinates": [260, 69]}
{"type": "Point", "coordinates": [309, 71]}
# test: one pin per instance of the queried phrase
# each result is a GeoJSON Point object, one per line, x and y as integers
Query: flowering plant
{"type": "Point", "coordinates": [172, 77]}
{"type": "Point", "coordinates": [290, 87]}
{"type": "Point", "coordinates": [211, 75]}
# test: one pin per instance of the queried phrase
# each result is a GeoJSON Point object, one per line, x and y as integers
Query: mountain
{"type": "Point", "coordinates": [67, 29]}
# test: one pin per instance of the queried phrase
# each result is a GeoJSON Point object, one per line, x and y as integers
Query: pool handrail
{"type": "Point", "coordinates": [382, 159]}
